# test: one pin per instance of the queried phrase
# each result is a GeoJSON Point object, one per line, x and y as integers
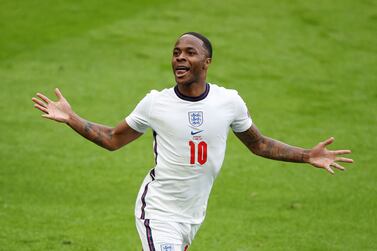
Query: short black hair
{"type": "Point", "coordinates": [206, 43]}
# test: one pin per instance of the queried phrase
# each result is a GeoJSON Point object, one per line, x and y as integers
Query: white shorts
{"type": "Point", "coordinates": [156, 235]}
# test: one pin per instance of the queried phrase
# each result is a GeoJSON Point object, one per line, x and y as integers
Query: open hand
{"type": "Point", "coordinates": [58, 111]}
{"type": "Point", "coordinates": [321, 157]}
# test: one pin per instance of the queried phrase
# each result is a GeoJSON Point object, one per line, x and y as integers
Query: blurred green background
{"type": "Point", "coordinates": [306, 69]}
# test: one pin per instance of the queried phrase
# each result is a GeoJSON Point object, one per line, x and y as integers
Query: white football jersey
{"type": "Point", "coordinates": [189, 144]}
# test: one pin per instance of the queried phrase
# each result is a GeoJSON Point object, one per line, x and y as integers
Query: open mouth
{"type": "Point", "coordinates": [180, 71]}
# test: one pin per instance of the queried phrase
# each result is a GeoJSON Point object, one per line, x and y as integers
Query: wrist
{"type": "Point", "coordinates": [71, 117]}
{"type": "Point", "coordinates": [305, 156]}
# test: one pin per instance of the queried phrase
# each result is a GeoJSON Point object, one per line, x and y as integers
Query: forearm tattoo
{"type": "Point", "coordinates": [277, 150]}
{"type": "Point", "coordinates": [99, 134]}
{"type": "Point", "coordinates": [270, 148]}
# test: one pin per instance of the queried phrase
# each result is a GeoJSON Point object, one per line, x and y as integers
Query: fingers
{"type": "Point", "coordinates": [342, 159]}
{"type": "Point", "coordinates": [338, 152]}
{"type": "Point", "coordinates": [37, 101]}
{"type": "Point", "coordinates": [328, 168]}
{"type": "Point", "coordinates": [41, 108]}
{"type": "Point", "coordinates": [337, 166]}
{"type": "Point", "coordinates": [47, 116]}
{"type": "Point", "coordinates": [43, 97]}
{"type": "Point", "coordinates": [58, 93]}
{"type": "Point", "coordinates": [328, 141]}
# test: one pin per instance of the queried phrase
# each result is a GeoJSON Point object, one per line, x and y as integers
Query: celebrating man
{"type": "Point", "coordinates": [190, 123]}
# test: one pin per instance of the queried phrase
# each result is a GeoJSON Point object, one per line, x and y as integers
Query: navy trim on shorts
{"type": "Point", "coordinates": [144, 204]}
{"type": "Point", "coordinates": [192, 99]}
{"type": "Point", "coordinates": [149, 236]}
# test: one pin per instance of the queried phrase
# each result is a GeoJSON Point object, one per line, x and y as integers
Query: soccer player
{"type": "Point", "coordinates": [190, 123]}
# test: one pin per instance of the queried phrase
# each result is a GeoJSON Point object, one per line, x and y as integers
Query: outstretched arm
{"type": "Point", "coordinates": [318, 156]}
{"type": "Point", "coordinates": [104, 136]}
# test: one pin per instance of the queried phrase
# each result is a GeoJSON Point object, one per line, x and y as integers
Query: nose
{"type": "Point", "coordinates": [181, 57]}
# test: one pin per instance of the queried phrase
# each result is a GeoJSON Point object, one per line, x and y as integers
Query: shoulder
{"type": "Point", "coordinates": [160, 93]}
{"type": "Point", "coordinates": [157, 97]}
{"type": "Point", "coordinates": [155, 94]}
{"type": "Point", "coordinates": [223, 92]}
{"type": "Point", "coordinates": [228, 97]}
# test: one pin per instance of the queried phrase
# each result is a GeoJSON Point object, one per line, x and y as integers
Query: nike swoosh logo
{"type": "Point", "coordinates": [194, 133]}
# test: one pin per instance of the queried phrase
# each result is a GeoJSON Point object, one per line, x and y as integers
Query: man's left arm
{"type": "Point", "coordinates": [318, 156]}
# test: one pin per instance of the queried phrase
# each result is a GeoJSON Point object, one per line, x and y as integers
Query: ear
{"type": "Point", "coordinates": [207, 62]}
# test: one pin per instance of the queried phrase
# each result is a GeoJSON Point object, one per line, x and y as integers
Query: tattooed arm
{"type": "Point", "coordinates": [106, 137]}
{"type": "Point", "coordinates": [318, 156]}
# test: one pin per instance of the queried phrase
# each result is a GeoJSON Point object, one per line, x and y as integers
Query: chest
{"type": "Point", "coordinates": [192, 120]}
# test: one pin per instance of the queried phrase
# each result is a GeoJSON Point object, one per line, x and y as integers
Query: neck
{"type": "Point", "coordinates": [193, 89]}
{"type": "Point", "coordinates": [195, 98]}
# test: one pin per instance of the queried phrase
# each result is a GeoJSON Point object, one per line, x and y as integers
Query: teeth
{"type": "Point", "coordinates": [182, 68]}
{"type": "Point", "coordinates": [180, 73]}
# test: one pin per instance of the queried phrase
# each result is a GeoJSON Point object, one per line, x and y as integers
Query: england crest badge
{"type": "Point", "coordinates": [195, 118]}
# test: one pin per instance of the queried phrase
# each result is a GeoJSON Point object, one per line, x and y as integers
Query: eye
{"type": "Point", "coordinates": [191, 52]}
{"type": "Point", "coordinates": [176, 53]}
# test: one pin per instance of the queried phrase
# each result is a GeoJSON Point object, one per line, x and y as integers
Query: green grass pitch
{"type": "Point", "coordinates": [306, 69]}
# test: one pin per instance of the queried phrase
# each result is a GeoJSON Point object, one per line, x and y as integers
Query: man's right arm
{"type": "Point", "coordinates": [104, 136]}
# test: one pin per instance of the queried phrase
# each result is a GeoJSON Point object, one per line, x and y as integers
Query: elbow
{"type": "Point", "coordinates": [258, 147]}
{"type": "Point", "coordinates": [256, 150]}
{"type": "Point", "coordinates": [111, 148]}
{"type": "Point", "coordinates": [112, 144]}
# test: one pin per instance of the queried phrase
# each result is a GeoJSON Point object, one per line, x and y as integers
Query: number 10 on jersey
{"type": "Point", "coordinates": [198, 152]}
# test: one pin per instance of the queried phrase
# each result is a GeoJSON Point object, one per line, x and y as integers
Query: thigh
{"type": "Point", "coordinates": [160, 236]}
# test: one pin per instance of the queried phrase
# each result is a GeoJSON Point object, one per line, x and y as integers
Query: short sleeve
{"type": "Point", "coordinates": [139, 117]}
{"type": "Point", "coordinates": [242, 120]}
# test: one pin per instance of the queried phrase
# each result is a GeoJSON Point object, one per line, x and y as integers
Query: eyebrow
{"type": "Point", "coordinates": [184, 48]}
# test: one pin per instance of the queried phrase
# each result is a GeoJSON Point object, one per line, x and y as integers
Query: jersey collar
{"type": "Point", "coordinates": [192, 99]}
